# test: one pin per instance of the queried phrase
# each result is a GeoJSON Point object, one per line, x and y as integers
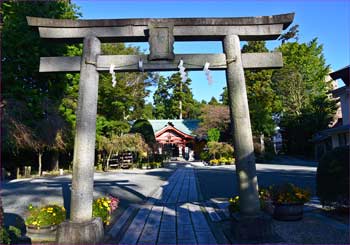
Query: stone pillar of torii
{"type": "Point", "coordinates": [161, 34]}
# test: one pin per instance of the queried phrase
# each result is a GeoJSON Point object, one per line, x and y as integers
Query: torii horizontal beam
{"type": "Point", "coordinates": [192, 62]}
{"type": "Point", "coordinates": [185, 29]}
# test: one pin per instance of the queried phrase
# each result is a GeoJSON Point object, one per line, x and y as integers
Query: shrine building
{"type": "Point", "coordinates": [175, 138]}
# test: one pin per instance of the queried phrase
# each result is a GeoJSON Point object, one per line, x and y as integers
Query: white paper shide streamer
{"type": "Point", "coordinates": [111, 71]}
{"type": "Point", "coordinates": [182, 71]}
{"type": "Point", "coordinates": [208, 73]}
{"type": "Point", "coordinates": [140, 65]}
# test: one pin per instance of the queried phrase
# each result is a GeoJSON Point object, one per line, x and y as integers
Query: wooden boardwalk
{"type": "Point", "coordinates": [172, 215]}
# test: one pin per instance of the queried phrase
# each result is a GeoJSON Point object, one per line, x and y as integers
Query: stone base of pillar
{"type": "Point", "coordinates": [252, 228]}
{"type": "Point", "coordinates": [90, 232]}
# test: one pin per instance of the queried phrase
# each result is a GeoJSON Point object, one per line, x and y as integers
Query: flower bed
{"type": "Point", "coordinates": [49, 215]}
{"type": "Point", "coordinates": [264, 197]}
{"type": "Point", "coordinates": [103, 207]}
{"type": "Point", "coordinates": [287, 200]}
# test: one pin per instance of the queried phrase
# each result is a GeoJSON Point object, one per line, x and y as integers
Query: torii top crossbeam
{"type": "Point", "coordinates": [185, 29]}
{"type": "Point", "coordinates": [161, 34]}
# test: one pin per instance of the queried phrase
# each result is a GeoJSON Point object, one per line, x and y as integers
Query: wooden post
{"type": "Point", "coordinates": [84, 144]}
{"type": "Point", "coordinates": [242, 133]}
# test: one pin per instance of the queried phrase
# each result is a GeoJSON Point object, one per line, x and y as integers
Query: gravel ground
{"type": "Point", "coordinates": [312, 230]}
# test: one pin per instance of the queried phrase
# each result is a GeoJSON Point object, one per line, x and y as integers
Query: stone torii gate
{"type": "Point", "coordinates": [161, 34]}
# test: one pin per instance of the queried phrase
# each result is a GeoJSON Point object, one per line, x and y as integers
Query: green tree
{"type": "Point", "coordinates": [213, 135]}
{"type": "Point", "coordinates": [219, 149]}
{"type": "Point", "coordinates": [263, 102]}
{"type": "Point", "coordinates": [224, 96]}
{"type": "Point", "coordinates": [215, 116]}
{"type": "Point", "coordinates": [22, 82]}
{"type": "Point", "coordinates": [213, 101]}
{"type": "Point", "coordinates": [170, 92]}
{"type": "Point", "coordinates": [161, 99]}
{"type": "Point", "coordinates": [116, 105]}
{"type": "Point", "coordinates": [144, 128]}
{"type": "Point", "coordinates": [302, 88]}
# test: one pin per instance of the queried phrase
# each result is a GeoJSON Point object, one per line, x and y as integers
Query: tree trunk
{"type": "Point", "coordinates": [55, 160]}
{"type": "Point", "coordinates": [40, 163]}
{"type": "Point", "coordinates": [262, 144]}
{"type": "Point", "coordinates": [108, 158]}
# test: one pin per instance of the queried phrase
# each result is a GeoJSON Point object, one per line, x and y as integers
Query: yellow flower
{"type": "Point", "coordinates": [105, 204]}
{"type": "Point", "coordinates": [54, 214]}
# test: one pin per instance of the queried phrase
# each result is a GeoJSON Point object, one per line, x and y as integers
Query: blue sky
{"type": "Point", "coordinates": [329, 21]}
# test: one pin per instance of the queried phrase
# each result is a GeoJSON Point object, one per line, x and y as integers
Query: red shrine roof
{"type": "Point", "coordinates": [172, 128]}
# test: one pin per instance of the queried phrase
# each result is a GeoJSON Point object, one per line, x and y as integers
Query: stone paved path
{"type": "Point", "coordinates": [172, 215]}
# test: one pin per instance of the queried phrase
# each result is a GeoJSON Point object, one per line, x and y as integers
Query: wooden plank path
{"type": "Point", "coordinates": [172, 215]}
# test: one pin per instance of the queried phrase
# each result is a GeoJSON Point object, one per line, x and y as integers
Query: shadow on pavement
{"type": "Point", "coordinates": [222, 183]}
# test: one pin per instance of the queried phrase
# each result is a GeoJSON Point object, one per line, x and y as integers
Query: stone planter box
{"type": "Point", "coordinates": [47, 233]}
{"type": "Point", "coordinates": [288, 211]}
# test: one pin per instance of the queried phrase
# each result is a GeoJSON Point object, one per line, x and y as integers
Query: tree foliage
{"type": "Point", "coordinates": [115, 144]}
{"type": "Point", "coordinates": [213, 135]}
{"type": "Point", "coordinates": [37, 95]}
{"type": "Point", "coordinates": [167, 97]}
{"type": "Point", "coordinates": [219, 149]}
{"type": "Point", "coordinates": [215, 116]}
{"type": "Point", "coordinates": [144, 128]}
{"type": "Point", "coordinates": [263, 102]}
{"type": "Point", "coordinates": [302, 89]}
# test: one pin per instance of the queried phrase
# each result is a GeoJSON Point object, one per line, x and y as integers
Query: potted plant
{"type": "Point", "coordinates": [41, 222]}
{"type": "Point", "coordinates": [288, 201]}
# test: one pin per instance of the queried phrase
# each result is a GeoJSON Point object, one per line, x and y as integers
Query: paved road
{"type": "Point", "coordinates": [220, 182]}
{"type": "Point", "coordinates": [131, 186]}
{"type": "Point", "coordinates": [134, 186]}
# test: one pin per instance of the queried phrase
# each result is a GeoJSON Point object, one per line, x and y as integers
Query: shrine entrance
{"type": "Point", "coordinates": [161, 34]}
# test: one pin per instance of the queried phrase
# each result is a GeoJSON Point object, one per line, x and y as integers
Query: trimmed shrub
{"type": "Point", "coordinates": [332, 179]}
{"type": "Point", "coordinates": [205, 156]}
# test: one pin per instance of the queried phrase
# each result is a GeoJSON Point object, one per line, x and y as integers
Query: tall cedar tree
{"type": "Point", "coordinates": [37, 94]}
{"type": "Point", "coordinates": [169, 93]}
